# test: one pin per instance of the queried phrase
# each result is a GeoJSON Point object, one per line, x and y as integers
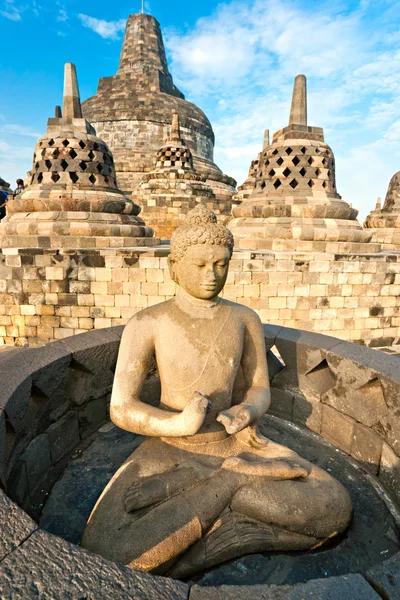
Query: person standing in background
{"type": "Point", "coordinates": [20, 189]}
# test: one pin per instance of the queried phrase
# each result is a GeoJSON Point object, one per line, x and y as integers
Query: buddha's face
{"type": "Point", "coordinates": [202, 270]}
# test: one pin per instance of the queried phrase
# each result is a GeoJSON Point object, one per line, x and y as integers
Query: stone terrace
{"type": "Point", "coordinates": [48, 294]}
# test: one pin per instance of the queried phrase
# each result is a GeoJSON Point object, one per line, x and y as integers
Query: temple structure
{"type": "Point", "coordinates": [384, 222]}
{"type": "Point", "coordinates": [73, 200]}
{"type": "Point", "coordinates": [174, 187]}
{"type": "Point", "coordinates": [132, 111]}
{"type": "Point", "coordinates": [294, 203]}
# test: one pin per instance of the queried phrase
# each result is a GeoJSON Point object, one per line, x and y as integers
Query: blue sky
{"type": "Point", "coordinates": [236, 60]}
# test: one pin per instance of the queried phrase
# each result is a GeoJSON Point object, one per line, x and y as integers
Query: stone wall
{"type": "Point", "coordinates": [52, 294]}
{"type": "Point", "coordinates": [346, 394]}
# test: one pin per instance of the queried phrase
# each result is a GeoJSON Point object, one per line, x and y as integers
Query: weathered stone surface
{"type": "Point", "coordinates": [63, 435]}
{"type": "Point", "coordinates": [385, 578]}
{"type": "Point", "coordinates": [358, 392]}
{"type": "Point", "coordinates": [304, 356]}
{"type": "Point", "coordinates": [281, 404]}
{"type": "Point", "coordinates": [91, 415]}
{"type": "Point", "coordinates": [37, 459]}
{"type": "Point", "coordinates": [334, 588]}
{"type": "Point", "coordinates": [389, 471]}
{"type": "Point", "coordinates": [72, 198]}
{"type": "Point", "coordinates": [370, 539]}
{"type": "Point", "coordinates": [91, 371]}
{"type": "Point", "coordinates": [17, 483]}
{"type": "Point", "coordinates": [294, 202]}
{"type": "Point", "coordinates": [15, 526]}
{"type": "Point", "coordinates": [46, 566]}
{"type": "Point", "coordinates": [338, 429]}
{"type": "Point", "coordinates": [132, 111]}
{"type": "Point", "coordinates": [366, 447]}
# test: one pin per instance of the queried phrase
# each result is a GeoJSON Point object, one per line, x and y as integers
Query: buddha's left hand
{"type": "Point", "coordinates": [237, 417]}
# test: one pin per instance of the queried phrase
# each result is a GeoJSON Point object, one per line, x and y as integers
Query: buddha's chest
{"type": "Point", "coordinates": [199, 353]}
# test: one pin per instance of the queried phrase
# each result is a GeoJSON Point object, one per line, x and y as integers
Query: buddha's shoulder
{"type": "Point", "coordinates": [151, 314]}
{"type": "Point", "coordinates": [240, 311]}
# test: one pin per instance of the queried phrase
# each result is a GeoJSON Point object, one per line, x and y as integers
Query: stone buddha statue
{"type": "Point", "coordinates": [205, 487]}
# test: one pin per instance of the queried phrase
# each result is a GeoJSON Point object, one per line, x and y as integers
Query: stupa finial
{"type": "Point", "coordinates": [175, 134]}
{"type": "Point", "coordinates": [378, 203]}
{"type": "Point", "coordinates": [298, 110]}
{"type": "Point", "coordinates": [71, 100]}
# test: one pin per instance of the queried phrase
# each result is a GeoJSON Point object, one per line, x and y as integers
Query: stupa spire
{"type": "Point", "coordinates": [143, 45]}
{"type": "Point", "coordinates": [71, 100]}
{"type": "Point", "coordinates": [175, 134]}
{"type": "Point", "coordinates": [298, 110]}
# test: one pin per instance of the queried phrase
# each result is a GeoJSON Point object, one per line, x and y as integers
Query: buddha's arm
{"type": "Point", "coordinates": [257, 398]}
{"type": "Point", "coordinates": [126, 409]}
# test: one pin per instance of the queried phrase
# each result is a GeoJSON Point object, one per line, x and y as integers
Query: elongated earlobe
{"type": "Point", "coordinates": [172, 268]}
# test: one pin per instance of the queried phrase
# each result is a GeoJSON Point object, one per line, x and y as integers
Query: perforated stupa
{"type": "Point", "coordinates": [294, 204]}
{"type": "Point", "coordinates": [73, 200]}
{"type": "Point", "coordinates": [174, 187]}
{"type": "Point", "coordinates": [384, 222]}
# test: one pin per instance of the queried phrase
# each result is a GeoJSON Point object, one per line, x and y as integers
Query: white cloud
{"type": "Point", "coordinates": [107, 29]}
{"type": "Point", "coordinates": [62, 15]}
{"type": "Point", "coordinates": [13, 128]}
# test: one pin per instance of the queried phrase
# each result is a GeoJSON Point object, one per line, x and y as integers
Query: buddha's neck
{"type": "Point", "coordinates": [189, 303]}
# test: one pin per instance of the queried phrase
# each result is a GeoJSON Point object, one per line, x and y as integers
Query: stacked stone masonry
{"type": "Point", "coordinates": [132, 111]}
{"type": "Point", "coordinates": [346, 394]}
{"type": "Point", "coordinates": [48, 294]}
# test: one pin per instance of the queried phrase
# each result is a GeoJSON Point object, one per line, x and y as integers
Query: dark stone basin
{"type": "Point", "coordinates": [371, 539]}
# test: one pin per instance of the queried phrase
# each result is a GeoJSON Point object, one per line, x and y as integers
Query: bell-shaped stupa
{"type": "Point", "coordinates": [174, 187]}
{"type": "Point", "coordinates": [294, 204]}
{"type": "Point", "coordinates": [132, 111]}
{"type": "Point", "coordinates": [384, 222]}
{"type": "Point", "coordinates": [72, 200]}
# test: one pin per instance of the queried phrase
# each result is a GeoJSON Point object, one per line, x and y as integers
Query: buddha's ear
{"type": "Point", "coordinates": [172, 268]}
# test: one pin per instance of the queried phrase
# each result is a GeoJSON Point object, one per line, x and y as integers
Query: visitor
{"type": "Point", "coordinates": [3, 202]}
{"type": "Point", "coordinates": [20, 189]}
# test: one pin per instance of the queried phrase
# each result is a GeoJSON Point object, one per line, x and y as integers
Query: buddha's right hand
{"type": "Point", "coordinates": [194, 413]}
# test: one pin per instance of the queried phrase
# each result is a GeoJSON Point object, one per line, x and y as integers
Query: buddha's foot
{"type": "Point", "coordinates": [157, 488]}
{"type": "Point", "coordinates": [274, 469]}
{"type": "Point", "coordinates": [232, 536]}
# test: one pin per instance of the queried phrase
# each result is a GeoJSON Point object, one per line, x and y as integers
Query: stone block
{"type": "Point", "coordinates": [389, 471]}
{"type": "Point", "coordinates": [63, 436]}
{"type": "Point", "coordinates": [338, 429]}
{"type": "Point", "coordinates": [305, 369]}
{"type": "Point", "coordinates": [15, 526]}
{"type": "Point", "coordinates": [385, 578]}
{"type": "Point", "coordinates": [281, 404]}
{"type": "Point", "coordinates": [37, 460]}
{"type": "Point", "coordinates": [307, 413]}
{"type": "Point", "coordinates": [63, 570]}
{"type": "Point", "coordinates": [346, 587]}
{"type": "Point", "coordinates": [91, 415]}
{"type": "Point", "coordinates": [367, 447]}
{"type": "Point", "coordinates": [17, 484]}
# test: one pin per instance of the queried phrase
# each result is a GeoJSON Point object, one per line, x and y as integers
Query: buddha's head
{"type": "Point", "coordinates": [200, 253]}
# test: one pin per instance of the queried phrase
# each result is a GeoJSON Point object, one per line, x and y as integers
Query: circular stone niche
{"type": "Point", "coordinates": [332, 402]}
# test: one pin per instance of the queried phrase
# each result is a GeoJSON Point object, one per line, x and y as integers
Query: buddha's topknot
{"type": "Point", "coordinates": [200, 227]}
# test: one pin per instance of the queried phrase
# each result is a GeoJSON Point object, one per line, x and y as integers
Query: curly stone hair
{"type": "Point", "coordinates": [200, 227]}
